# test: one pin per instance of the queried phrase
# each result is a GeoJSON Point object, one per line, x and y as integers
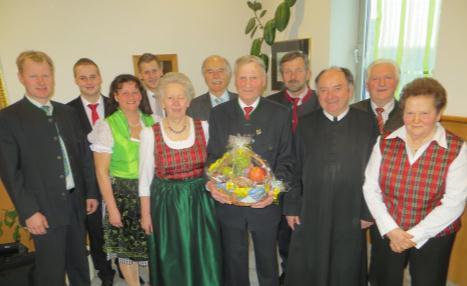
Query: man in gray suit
{"type": "Point", "coordinates": [217, 73]}
{"type": "Point", "coordinates": [382, 78]}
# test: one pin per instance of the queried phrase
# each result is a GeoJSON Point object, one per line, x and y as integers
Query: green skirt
{"type": "Point", "coordinates": [184, 248]}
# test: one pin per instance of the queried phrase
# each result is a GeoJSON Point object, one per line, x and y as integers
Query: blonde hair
{"type": "Point", "coordinates": [35, 56]}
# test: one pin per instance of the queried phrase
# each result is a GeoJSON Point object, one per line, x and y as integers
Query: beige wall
{"type": "Point", "coordinates": [114, 30]}
{"type": "Point", "coordinates": [110, 31]}
{"type": "Point", "coordinates": [451, 60]}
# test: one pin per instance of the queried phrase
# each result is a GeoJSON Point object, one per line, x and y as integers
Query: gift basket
{"type": "Point", "coordinates": [243, 174]}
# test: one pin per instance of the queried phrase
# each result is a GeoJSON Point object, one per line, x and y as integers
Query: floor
{"type": "Point", "coordinates": [253, 278]}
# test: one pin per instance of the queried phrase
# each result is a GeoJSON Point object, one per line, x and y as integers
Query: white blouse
{"type": "Point", "coordinates": [146, 153]}
{"type": "Point", "coordinates": [101, 137]}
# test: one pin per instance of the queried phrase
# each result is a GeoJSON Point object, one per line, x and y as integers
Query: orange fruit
{"type": "Point", "coordinates": [257, 174]}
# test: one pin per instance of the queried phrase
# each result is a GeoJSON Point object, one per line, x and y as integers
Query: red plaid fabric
{"type": "Point", "coordinates": [179, 164]}
{"type": "Point", "coordinates": [410, 192]}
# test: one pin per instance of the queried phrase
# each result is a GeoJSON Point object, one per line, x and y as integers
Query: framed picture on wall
{"type": "Point", "coordinates": [169, 62]}
{"type": "Point", "coordinates": [278, 50]}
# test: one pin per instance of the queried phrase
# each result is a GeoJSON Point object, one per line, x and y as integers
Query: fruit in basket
{"type": "Point", "coordinates": [257, 174]}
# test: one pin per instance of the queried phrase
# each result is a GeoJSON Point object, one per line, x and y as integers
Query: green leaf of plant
{"type": "Point", "coordinates": [257, 6]}
{"type": "Point", "coordinates": [265, 59]}
{"type": "Point", "coordinates": [282, 16]}
{"type": "Point", "coordinates": [8, 221]}
{"type": "Point", "coordinates": [290, 3]}
{"type": "Point", "coordinates": [270, 31]}
{"type": "Point", "coordinates": [256, 47]}
{"type": "Point", "coordinates": [11, 214]}
{"type": "Point", "coordinates": [251, 5]}
{"type": "Point", "coordinates": [250, 25]}
{"type": "Point", "coordinates": [263, 13]}
{"type": "Point", "coordinates": [253, 32]}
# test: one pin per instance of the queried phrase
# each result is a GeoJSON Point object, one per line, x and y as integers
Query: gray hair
{"type": "Point", "coordinates": [178, 78]}
{"type": "Point", "coordinates": [241, 61]}
{"type": "Point", "coordinates": [383, 61]}
{"type": "Point", "coordinates": [226, 64]}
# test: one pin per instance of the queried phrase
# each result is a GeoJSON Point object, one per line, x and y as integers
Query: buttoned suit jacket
{"type": "Point", "coordinates": [77, 104]}
{"type": "Point", "coordinates": [200, 107]}
{"type": "Point", "coordinates": [31, 163]}
{"type": "Point", "coordinates": [270, 125]}
{"type": "Point", "coordinates": [394, 119]}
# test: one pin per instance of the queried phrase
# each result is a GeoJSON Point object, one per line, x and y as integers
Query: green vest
{"type": "Point", "coordinates": [125, 152]}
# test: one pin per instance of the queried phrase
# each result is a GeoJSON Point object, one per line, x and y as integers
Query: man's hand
{"type": "Point", "coordinates": [269, 199]}
{"type": "Point", "coordinates": [293, 220]}
{"type": "Point", "coordinates": [400, 240]}
{"type": "Point", "coordinates": [146, 223]}
{"type": "Point", "coordinates": [37, 224]}
{"type": "Point", "coordinates": [218, 195]}
{"type": "Point", "coordinates": [91, 206]}
{"type": "Point", "coordinates": [365, 224]}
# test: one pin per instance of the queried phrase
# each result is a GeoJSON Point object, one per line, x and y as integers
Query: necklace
{"type": "Point", "coordinates": [134, 125]}
{"type": "Point", "coordinates": [176, 131]}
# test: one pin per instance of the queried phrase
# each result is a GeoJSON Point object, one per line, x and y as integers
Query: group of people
{"type": "Point", "coordinates": [383, 164]}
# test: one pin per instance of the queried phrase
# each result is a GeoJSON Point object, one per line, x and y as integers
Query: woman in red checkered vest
{"type": "Point", "coordinates": [176, 211]}
{"type": "Point", "coordinates": [415, 188]}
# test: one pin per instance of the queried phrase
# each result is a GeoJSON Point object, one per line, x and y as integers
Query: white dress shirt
{"type": "Point", "coordinates": [99, 109]}
{"type": "Point", "coordinates": [452, 203]}
{"type": "Point", "coordinates": [154, 102]}
{"type": "Point", "coordinates": [339, 117]}
{"type": "Point", "coordinates": [243, 105]}
{"type": "Point", "coordinates": [387, 108]}
{"type": "Point", "coordinates": [146, 153]}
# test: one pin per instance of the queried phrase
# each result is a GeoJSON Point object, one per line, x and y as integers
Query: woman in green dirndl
{"type": "Point", "coordinates": [115, 143]}
{"type": "Point", "coordinates": [176, 211]}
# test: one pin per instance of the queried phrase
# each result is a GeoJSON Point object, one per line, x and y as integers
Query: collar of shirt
{"type": "Point", "coordinates": [254, 104]}
{"type": "Point", "coordinates": [339, 117]}
{"type": "Point", "coordinates": [224, 98]}
{"type": "Point", "coordinates": [439, 137]}
{"type": "Point", "coordinates": [387, 108]}
{"type": "Point", "coordinates": [39, 105]}
{"type": "Point", "coordinates": [300, 96]}
{"type": "Point", "coordinates": [100, 107]}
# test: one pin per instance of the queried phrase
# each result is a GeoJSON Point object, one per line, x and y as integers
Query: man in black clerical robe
{"type": "Point", "coordinates": [325, 207]}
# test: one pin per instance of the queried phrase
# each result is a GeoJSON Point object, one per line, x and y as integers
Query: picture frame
{"type": "Point", "coordinates": [169, 62]}
{"type": "Point", "coordinates": [278, 50]}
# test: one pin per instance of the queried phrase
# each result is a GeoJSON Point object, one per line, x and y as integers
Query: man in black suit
{"type": "Point", "coordinates": [150, 70]}
{"type": "Point", "coordinates": [47, 170]}
{"type": "Point", "coordinates": [217, 73]}
{"type": "Point", "coordinates": [382, 78]}
{"type": "Point", "coordinates": [91, 106]}
{"type": "Point", "coordinates": [269, 124]}
{"type": "Point", "coordinates": [302, 100]}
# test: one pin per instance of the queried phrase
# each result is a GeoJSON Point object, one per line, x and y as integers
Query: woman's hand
{"type": "Point", "coordinates": [146, 223]}
{"type": "Point", "coordinates": [115, 218]}
{"type": "Point", "coordinates": [400, 240]}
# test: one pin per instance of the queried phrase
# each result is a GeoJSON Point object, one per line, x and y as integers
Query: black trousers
{"type": "Point", "coordinates": [235, 254]}
{"type": "Point", "coordinates": [96, 242]}
{"type": "Point", "coordinates": [283, 239]}
{"type": "Point", "coordinates": [62, 250]}
{"type": "Point", "coordinates": [428, 265]}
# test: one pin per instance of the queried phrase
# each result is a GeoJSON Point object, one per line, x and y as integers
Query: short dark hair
{"type": "Point", "coordinates": [290, 56]}
{"type": "Point", "coordinates": [116, 85]}
{"type": "Point", "coordinates": [347, 73]}
{"type": "Point", "coordinates": [425, 86]}
{"type": "Point", "coordinates": [84, 62]}
{"type": "Point", "coordinates": [147, 58]}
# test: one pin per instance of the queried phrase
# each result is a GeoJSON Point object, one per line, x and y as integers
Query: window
{"type": "Point", "coordinates": [405, 31]}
